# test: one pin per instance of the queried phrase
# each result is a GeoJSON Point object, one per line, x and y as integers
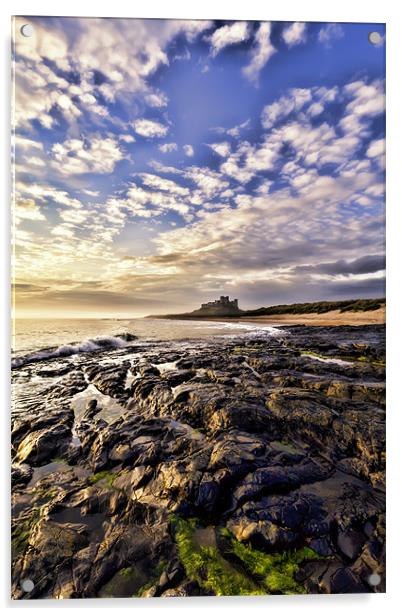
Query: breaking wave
{"type": "Point", "coordinates": [92, 345]}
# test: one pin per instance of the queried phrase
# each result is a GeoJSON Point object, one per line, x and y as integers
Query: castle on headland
{"type": "Point", "coordinates": [219, 307]}
{"type": "Point", "coordinates": [222, 302]}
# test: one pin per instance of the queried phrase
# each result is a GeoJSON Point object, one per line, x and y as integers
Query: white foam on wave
{"type": "Point", "coordinates": [246, 327]}
{"type": "Point", "coordinates": [103, 343]}
{"type": "Point", "coordinates": [328, 360]}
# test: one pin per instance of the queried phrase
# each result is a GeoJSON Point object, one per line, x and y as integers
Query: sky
{"type": "Point", "coordinates": [159, 164]}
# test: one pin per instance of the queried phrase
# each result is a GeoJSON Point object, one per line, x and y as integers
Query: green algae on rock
{"type": "Point", "coordinates": [258, 574]}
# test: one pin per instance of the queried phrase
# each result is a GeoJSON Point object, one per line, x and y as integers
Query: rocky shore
{"type": "Point", "coordinates": [248, 465]}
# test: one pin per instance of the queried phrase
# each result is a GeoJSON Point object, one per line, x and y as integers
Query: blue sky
{"type": "Point", "coordinates": [162, 163]}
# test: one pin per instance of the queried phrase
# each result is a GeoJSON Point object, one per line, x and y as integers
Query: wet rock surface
{"type": "Point", "coordinates": [278, 440]}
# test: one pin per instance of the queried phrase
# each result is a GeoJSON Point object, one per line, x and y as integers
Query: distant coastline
{"type": "Point", "coordinates": [345, 312]}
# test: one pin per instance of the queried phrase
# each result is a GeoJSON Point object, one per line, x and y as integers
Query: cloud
{"type": "Point", "coordinates": [262, 51]}
{"type": "Point", "coordinates": [45, 42]}
{"type": "Point", "coordinates": [23, 143]}
{"type": "Point", "coordinates": [188, 150]}
{"type": "Point", "coordinates": [125, 52]}
{"type": "Point", "coordinates": [304, 188]}
{"type": "Point", "coordinates": [27, 209]}
{"type": "Point", "coordinates": [63, 231]}
{"type": "Point", "coordinates": [223, 148]}
{"type": "Point", "coordinates": [157, 166]}
{"type": "Point", "coordinates": [367, 99]}
{"type": "Point", "coordinates": [280, 109]}
{"type": "Point", "coordinates": [157, 99]}
{"type": "Point", "coordinates": [234, 131]}
{"type": "Point", "coordinates": [330, 33]}
{"type": "Point", "coordinates": [127, 138]}
{"type": "Point", "coordinates": [154, 181]}
{"type": "Point", "coordinates": [315, 109]}
{"type": "Point", "coordinates": [210, 182]}
{"type": "Point", "coordinates": [364, 101]}
{"type": "Point", "coordinates": [248, 160]}
{"type": "Point", "coordinates": [167, 147]}
{"type": "Point", "coordinates": [295, 34]}
{"type": "Point", "coordinates": [91, 193]}
{"type": "Point", "coordinates": [94, 155]}
{"type": "Point", "coordinates": [237, 32]}
{"type": "Point", "coordinates": [150, 128]}
{"type": "Point", "coordinates": [364, 265]}
{"type": "Point", "coordinates": [376, 148]}
{"type": "Point", "coordinates": [47, 193]}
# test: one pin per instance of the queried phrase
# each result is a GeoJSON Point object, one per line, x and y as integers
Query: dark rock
{"type": "Point", "coordinates": [350, 543]}
{"type": "Point", "coordinates": [91, 409]}
{"type": "Point", "coordinates": [342, 580]}
{"type": "Point", "coordinates": [41, 446]}
{"type": "Point", "coordinates": [20, 474]}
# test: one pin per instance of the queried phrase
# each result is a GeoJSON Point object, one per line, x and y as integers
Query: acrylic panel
{"type": "Point", "coordinates": [198, 362]}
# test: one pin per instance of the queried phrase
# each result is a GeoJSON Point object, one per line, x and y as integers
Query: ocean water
{"type": "Point", "coordinates": [47, 338]}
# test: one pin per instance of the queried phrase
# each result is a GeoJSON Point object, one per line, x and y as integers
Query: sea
{"type": "Point", "coordinates": [39, 339]}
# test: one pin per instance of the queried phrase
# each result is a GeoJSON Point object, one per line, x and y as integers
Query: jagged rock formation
{"type": "Point", "coordinates": [273, 444]}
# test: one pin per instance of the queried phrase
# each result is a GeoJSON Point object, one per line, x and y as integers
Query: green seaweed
{"type": "Point", "coordinates": [106, 476]}
{"type": "Point", "coordinates": [350, 358]}
{"type": "Point", "coordinates": [258, 573]}
{"type": "Point", "coordinates": [153, 580]}
{"type": "Point", "coordinates": [21, 530]}
{"type": "Point", "coordinates": [286, 445]}
{"type": "Point", "coordinates": [44, 494]}
{"type": "Point", "coordinates": [127, 582]}
{"type": "Point", "coordinates": [207, 567]}
{"type": "Point", "coordinates": [276, 572]}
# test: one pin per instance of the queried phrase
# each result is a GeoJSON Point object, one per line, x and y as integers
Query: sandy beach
{"type": "Point", "coordinates": [334, 317]}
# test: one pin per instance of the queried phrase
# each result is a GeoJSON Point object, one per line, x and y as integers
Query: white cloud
{"type": "Point", "coordinates": [295, 34]}
{"type": "Point", "coordinates": [234, 131]}
{"type": "Point", "coordinates": [154, 181]}
{"type": "Point", "coordinates": [27, 209]}
{"type": "Point", "coordinates": [263, 50]}
{"type": "Point", "coordinates": [127, 138]}
{"type": "Point", "coordinates": [209, 182]}
{"type": "Point", "coordinates": [280, 109]}
{"type": "Point", "coordinates": [167, 147]}
{"type": "Point", "coordinates": [45, 42]}
{"type": "Point", "coordinates": [264, 187]}
{"type": "Point", "coordinates": [151, 203]}
{"type": "Point", "coordinates": [248, 160]}
{"type": "Point", "coordinates": [95, 155]}
{"type": "Point", "coordinates": [329, 33]}
{"type": "Point", "coordinates": [24, 143]}
{"type": "Point", "coordinates": [90, 193]}
{"type": "Point", "coordinates": [127, 52]}
{"type": "Point", "coordinates": [34, 161]}
{"type": "Point", "coordinates": [150, 128]}
{"type": "Point", "coordinates": [45, 193]}
{"type": "Point", "coordinates": [237, 32]}
{"type": "Point", "coordinates": [368, 99]}
{"type": "Point", "coordinates": [188, 150]}
{"type": "Point", "coordinates": [74, 217]}
{"type": "Point", "coordinates": [315, 109]}
{"type": "Point", "coordinates": [376, 148]}
{"type": "Point", "coordinates": [157, 99]}
{"type": "Point", "coordinates": [223, 149]}
{"type": "Point", "coordinates": [365, 102]}
{"type": "Point", "coordinates": [63, 231]}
